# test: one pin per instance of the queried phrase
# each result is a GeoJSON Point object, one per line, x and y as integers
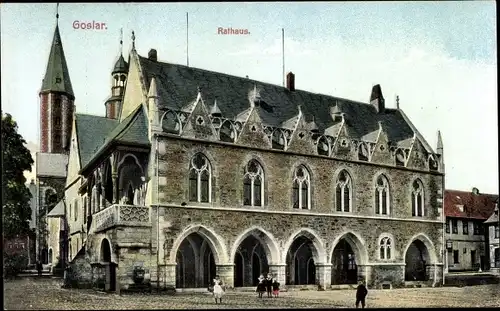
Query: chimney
{"type": "Point", "coordinates": [290, 81]}
{"type": "Point", "coordinates": [377, 99]}
{"type": "Point", "coordinates": [152, 55]}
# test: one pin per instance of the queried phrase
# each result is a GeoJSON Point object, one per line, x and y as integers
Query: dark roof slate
{"type": "Point", "coordinates": [57, 74]}
{"type": "Point", "coordinates": [91, 132]}
{"type": "Point", "coordinates": [178, 86]}
{"type": "Point", "coordinates": [121, 66]}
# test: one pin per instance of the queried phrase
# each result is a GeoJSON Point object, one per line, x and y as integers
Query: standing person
{"type": "Point", "coordinates": [261, 286]}
{"type": "Point", "coordinates": [361, 293]}
{"type": "Point", "coordinates": [276, 288]}
{"type": "Point", "coordinates": [39, 267]}
{"type": "Point", "coordinates": [218, 290]}
{"type": "Point", "coordinates": [269, 285]}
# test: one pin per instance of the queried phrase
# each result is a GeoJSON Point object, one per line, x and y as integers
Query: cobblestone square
{"type": "Point", "coordinates": [43, 294]}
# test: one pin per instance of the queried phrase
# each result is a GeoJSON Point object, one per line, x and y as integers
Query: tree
{"type": "Point", "coordinates": [15, 195]}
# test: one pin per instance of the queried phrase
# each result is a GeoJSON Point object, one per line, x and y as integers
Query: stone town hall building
{"type": "Point", "coordinates": [193, 173]}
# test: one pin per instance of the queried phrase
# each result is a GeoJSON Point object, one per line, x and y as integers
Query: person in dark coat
{"type": "Point", "coordinates": [269, 285]}
{"type": "Point", "coordinates": [39, 267]}
{"type": "Point", "coordinates": [261, 286]}
{"type": "Point", "coordinates": [361, 293]}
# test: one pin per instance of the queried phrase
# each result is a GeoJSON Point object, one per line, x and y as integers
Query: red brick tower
{"type": "Point", "coordinates": [56, 101]}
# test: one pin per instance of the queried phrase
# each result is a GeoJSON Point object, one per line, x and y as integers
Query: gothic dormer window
{"type": "Point", "coordinates": [253, 184]}
{"type": "Point", "coordinates": [363, 152]}
{"type": "Point", "coordinates": [400, 157]}
{"type": "Point", "coordinates": [301, 188]}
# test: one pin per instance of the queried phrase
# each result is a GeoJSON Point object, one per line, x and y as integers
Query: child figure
{"type": "Point", "coordinates": [218, 290]}
{"type": "Point", "coordinates": [276, 288]}
{"type": "Point", "coordinates": [261, 286]}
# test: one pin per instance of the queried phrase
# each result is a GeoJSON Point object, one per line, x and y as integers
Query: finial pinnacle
{"type": "Point", "coordinates": [57, 11]}
{"type": "Point", "coordinates": [397, 101]}
{"type": "Point", "coordinates": [133, 39]}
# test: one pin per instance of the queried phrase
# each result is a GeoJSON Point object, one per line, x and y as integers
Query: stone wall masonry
{"type": "Point", "coordinates": [387, 274]}
{"type": "Point", "coordinates": [228, 163]}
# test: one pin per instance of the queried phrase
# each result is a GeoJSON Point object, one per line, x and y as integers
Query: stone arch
{"type": "Point", "coordinates": [135, 159]}
{"type": "Point", "coordinates": [99, 248]}
{"type": "Point", "coordinates": [215, 242]}
{"type": "Point", "coordinates": [357, 243]}
{"type": "Point", "coordinates": [265, 238]}
{"type": "Point", "coordinates": [319, 253]}
{"type": "Point", "coordinates": [422, 237]}
{"type": "Point", "coordinates": [171, 116]}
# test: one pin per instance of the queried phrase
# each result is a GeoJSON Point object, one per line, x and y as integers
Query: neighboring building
{"type": "Point", "coordinates": [194, 173]}
{"type": "Point", "coordinates": [493, 229]}
{"type": "Point", "coordinates": [466, 238]}
{"type": "Point", "coordinates": [21, 245]}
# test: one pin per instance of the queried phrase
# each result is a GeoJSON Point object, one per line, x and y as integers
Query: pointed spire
{"type": "Point", "coordinates": [153, 91]}
{"type": "Point", "coordinates": [57, 12]}
{"type": "Point", "coordinates": [397, 101]}
{"type": "Point", "coordinates": [57, 74]}
{"type": "Point", "coordinates": [313, 126]}
{"type": "Point", "coordinates": [199, 97]}
{"type": "Point", "coordinates": [215, 111]}
{"type": "Point", "coordinates": [121, 66]}
{"type": "Point", "coordinates": [439, 144]}
{"type": "Point", "coordinates": [133, 40]}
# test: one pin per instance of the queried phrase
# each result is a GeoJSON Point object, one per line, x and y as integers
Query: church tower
{"type": "Point", "coordinates": [56, 101]}
{"type": "Point", "coordinates": [119, 78]}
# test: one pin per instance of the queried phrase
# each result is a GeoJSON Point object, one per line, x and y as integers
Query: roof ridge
{"type": "Point", "coordinates": [258, 81]}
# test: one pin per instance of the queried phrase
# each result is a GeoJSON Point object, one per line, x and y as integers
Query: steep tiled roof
{"type": "Point", "coordinates": [91, 132]}
{"type": "Point", "coordinates": [475, 206]}
{"type": "Point", "coordinates": [132, 130]}
{"type": "Point", "coordinates": [57, 74]}
{"type": "Point", "coordinates": [178, 84]}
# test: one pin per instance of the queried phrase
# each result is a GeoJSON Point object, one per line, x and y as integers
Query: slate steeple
{"type": "Point", "coordinates": [57, 74]}
{"type": "Point", "coordinates": [56, 100]}
{"type": "Point", "coordinates": [119, 78]}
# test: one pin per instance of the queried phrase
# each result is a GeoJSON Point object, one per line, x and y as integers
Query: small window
{"type": "Point", "coordinates": [447, 226]}
{"type": "Point", "coordinates": [455, 257]}
{"type": "Point", "coordinates": [477, 228]}
{"type": "Point", "coordinates": [454, 226]}
{"type": "Point", "coordinates": [497, 233]}
{"type": "Point", "coordinates": [465, 226]}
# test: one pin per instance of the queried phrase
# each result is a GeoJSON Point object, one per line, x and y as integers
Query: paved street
{"type": "Point", "coordinates": [39, 294]}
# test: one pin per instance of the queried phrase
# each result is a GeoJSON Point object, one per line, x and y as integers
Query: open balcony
{"type": "Point", "coordinates": [121, 215]}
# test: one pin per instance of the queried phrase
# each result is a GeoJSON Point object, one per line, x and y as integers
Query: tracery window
{"type": "Point", "coordinates": [253, 184]}
{"type": "Point", "coordinates": [200, 175]}
{"type": "Point", "coordinates": [301, 188]}
{"type": "Point", "coordinates": [343, 192]}
{"type": "Point", "coordinates": [382, 205]}
{"type": "Point", "coordinates": [385, 248]}
{"type": "Point", "coordinates": [417, 199]}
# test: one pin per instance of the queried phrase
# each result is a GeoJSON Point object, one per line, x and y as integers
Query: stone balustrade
{"type": "Point", "coordinates": [121, 215]}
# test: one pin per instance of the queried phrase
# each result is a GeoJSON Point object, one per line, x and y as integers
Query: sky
{"type": "Point", "coordinates": [440, 58]}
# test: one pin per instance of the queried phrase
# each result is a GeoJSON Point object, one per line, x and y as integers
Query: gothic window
{"type": "Point", "coordinates": [382, 200]}
{"type": "Point", "coordinates": [400, 157]}
{"type": "Point", "coordinates": [323, 147]}
{"type": "Point", "coordinates": [343, 192]}
{"type": "Point", "coordinates": [227, 132]}
{"type": "Point", "coordinates": [417, 199]}
{"type": "Point", "coordinates": [301, 188]}
{"type": "Point", "coordinates": [278, 140]}
{"type": "Point", "coordinates": [253, 184]}
{"type": "Point", "coordinates": [385, 248]}
{"type": "Point", "coordinates": [200, 175]}
{"type": "Point", "coordinates": [170, 123]}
